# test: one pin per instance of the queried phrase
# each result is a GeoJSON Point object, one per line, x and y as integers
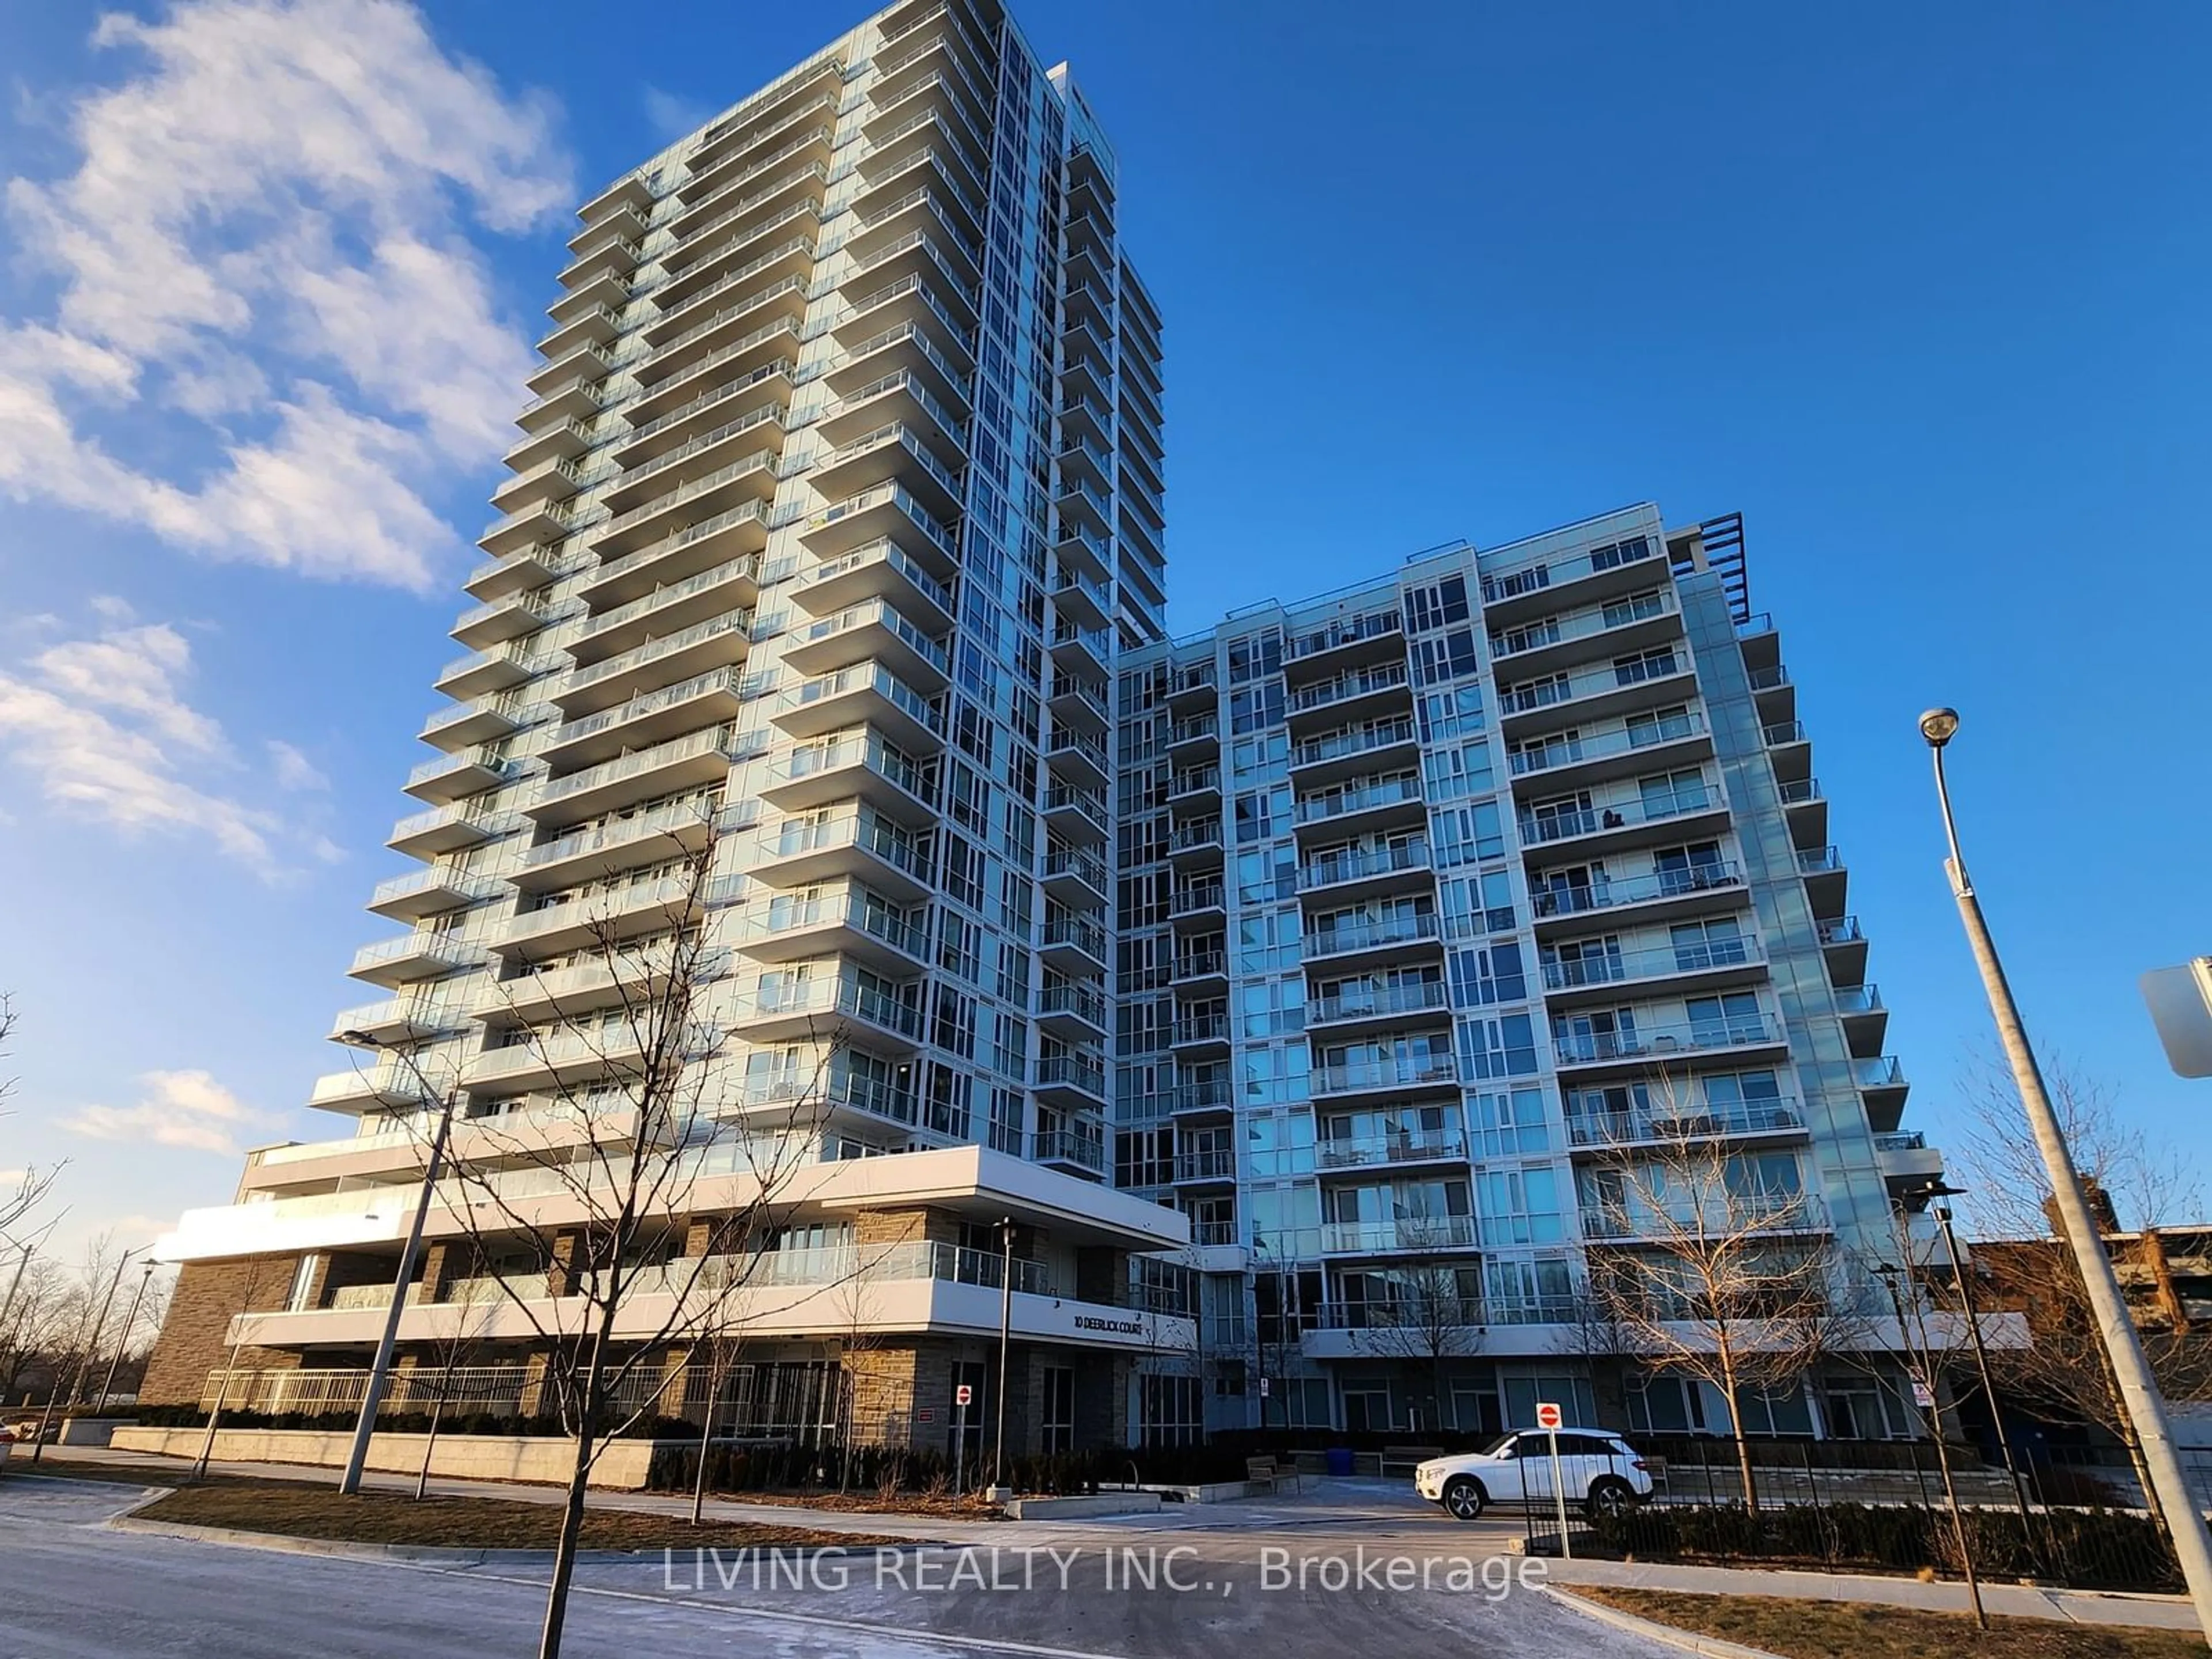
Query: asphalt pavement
{"type": "Point", "coordinates": [1284, 1583]}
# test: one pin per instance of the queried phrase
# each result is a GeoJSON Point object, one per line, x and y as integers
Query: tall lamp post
{"type": "Point", "coordinates": [380, 1369]}
{"type": "Point", "coordinates": [1923, 1377]}
{"type": "Point", "coordinates": [2139, 1394]}
{"type": "Point", "coordinates": [122, 1342]}
{"type": "Point", "coordinates": [1006, 1339]}
{"type": "Point", "coordinates": [1937, 1190]}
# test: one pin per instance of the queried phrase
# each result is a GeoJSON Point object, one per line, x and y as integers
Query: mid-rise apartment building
{"type": "Point", "coordinates": [1251, 977]}
{"type": "Point", "coordinates": [1437, 897]}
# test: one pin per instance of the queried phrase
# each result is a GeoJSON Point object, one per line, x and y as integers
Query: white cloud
{"type": "Point", "coordinates": [294, 769]}
{"type": "Point", "coordinates": [263, 256]}
{"type": "Point", "coordinates": [186, 1109]}
{"type": "Point", "coordinates": [671, 114]}
{"type": "Point", "coordinates": [102, 728]}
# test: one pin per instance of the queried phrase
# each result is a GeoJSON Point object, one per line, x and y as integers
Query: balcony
{"type": "Point", "coordinates": [1695, 889]}
{"type": "Point", "coordinates": [1081, 598]}
{"type": "Point", "coordinates": [1350, 1154]}
{"type": "Point", "coordinates": [1211, 1167]}
{"type": "Point", "coordinates": [880, 317]}
{"type": "Point", "coordinates": [1826, 880]}
{"type": "Point", "coordinates": [1082, 1154]}
{"type": "Point", "coordinates": [480, 673]}
{"type": "Point", "coordinates": [647, 720]}
{"type": "Point", "coordinates": [1073, 944]}
{"type": "Point", "coordinates": [937, 260]}
{"type": "Point", "coordinates": [1076, 702]}
{"type": "Point", "coordinates": [444, 778]}
{"type": "Point", "coordinates": [594, 921]}
{"type": "Point", "coordinates": [1200, 1100]}
{"type": "Point", "coordinates": [525, 568]}
{"type": "Point", "coordinates": [1634, 685]}
{"type": "Point", "coordinates": [560, 1059]}
{"type": "Point", "coordinates": [1088, 654]}
{"type": "Point", "coordinates": [1406, 1236]}
{"type": "Point", "coordinates": [720, 641]}
{"type": "Point", "coordinates": [1072, 1082]}
{"type": "Point", "coordinates": [860, 765]}
{"type": "Point", "coordinates": [1597, 975]}
{"type": "Point", "coordinates": [1379, 636]}
{"type": "Point", "coordinates": [866, 693]}
{"type": "Point", "coordinates": [1371, 1006]}
{"type": "Point", "coordinates": [1519, 590]}
{"type": "Point", "coordinates": [1883, 1087]}
{"type": "Point", "coordinates": [497, 621]}
{"type": "Point", "coordinates": [830, 1011]}
{"type": "Point", "coordinates": [1791, 750]}
{"type": "Point", "coordinates": [729, 541]}
{"type": "Point", "coordinates": [1069, 1008]}
{"type": "Point", "coordinates": [1629, 822]}
{"type": "Point", "coordinates": [1079, 757]}
{"type": "Point", "coordinates": [1617, 628]}
{"type": "Point", "coordinates": [1641, 1048]}
{"type": "Point", "coordinates": [1201, 904]}
{"type": "Point", "coordinates": [1196, 789]}
{"type": "Point", "coordinates": [1200, 970]}
{"type": "Point", "coordinates": [846, 920]}
{"type": "Point", "coordinates": [860, 844]}
{"type": "Point", "coordinates": [1908, 1163]}
{"type": "Point", "coordinates": [373, 1088]}
{"type": "Point", "coordinates": [1344, 873]}
{"type": "Point", "coordinates": [872, 631]}
{"type": "Point", "coordinates": [448, 829]}
{"type": "Point", "coordinates": [1766, 1213]}
{"type": "Point", "coordinates": [685, 762]}
{"type": "Point", "coordinates": [1197, 844]}
{"type": "Point", "coordinates": [673, 830]}
{"type": "Point", "coordinates": [1436, 1073]}
{"type": "Point", "coordinates": [605, 979]}
{"type": "Point", "coordinates": [1690, 1122]}
{"type": "Point", "coordinates": [882, 570]}
{"type": "Point", "coordinates": [1355, 748]}
{"type": "Point", "coordinates": [430, 892]}
{"type": "Point", "coordinates": [1571, 759]}
{"type": "Point", "coordinates": [1084, 550]}
{"type": "Point", "coordinates": [1205, 1036]}
{"type": "Point", "coordinates": [1846, 949]}
{"type": "Point", "coordinates": [686, 460]}
{"type": "Point", "coordinates": [890, 512]}
{"type": "Point", "coordinates": [1341, 943]}
{"type": "Point", "coordinates": [1350, 809]}
{"type": "Point", "coordinates": [751, 475]}
{"type": "Point", "coordinates": [412, 956]}
{"type": "Point", "coordinates": [1077, 814]}
{"type": "Point", "coordinates": [399, 1019]}
{"type": "Point", "coordinates": [1866, 1019]}
{"type": "Point", "coordinates": [1361, 693]}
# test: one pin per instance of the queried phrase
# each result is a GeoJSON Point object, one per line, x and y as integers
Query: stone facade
{"type": "Point", "coordinates": [196, 1335]}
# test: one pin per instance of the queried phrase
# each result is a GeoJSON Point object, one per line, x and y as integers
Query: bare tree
{"type": "Point", "coordinates": [1430, 1316]}
{"type": "Point", "coordinates": [1711, 1264]}
{"type": "Point", "coordinates": [453, 1353]}
{"type": "Point", "coordinates": [2008, 1188]}
{"type": "Point", "coordinates": [21, 1196]}
{"type": "Point", "coordinates": [583, 1212]}
{"type": "Point", "coordinates": [2023, 1264]}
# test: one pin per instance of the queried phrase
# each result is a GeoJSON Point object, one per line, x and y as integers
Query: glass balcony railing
{"type": "Point", "coordinates": [1584, 625]}
{"type": "Point", "coordinates": [1610, 966]}
{"type": "Point", "coordinates": [1357, 740]}
{"type": "Point", "coordinates": [1362, 1076]}
{"type": "Point", "coordinates": [1378, 1001]}
{"type": "Point", "coordinates": [1341, 803]}
{"type": "Point", "coordinates": [1539, 826]}
{"type": "Point", "coordinates": [1358, 863]}
{"type": "Point", "coordinates": [1551, 753]}
{"type": "Point", "coordinates": [1384, 676]}
{"type": "Point", "coordinates": [1332, 938]}
{"type": "Point", "coordinates": [1689, 1120]}
{"type": "Point", "coordinates": [1562, 898]}
{"type": "Point", "coordinates": [1654, 1043]}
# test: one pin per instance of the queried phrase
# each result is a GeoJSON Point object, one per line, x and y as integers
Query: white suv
{"type": "Point", "coordinates": [1600, 1470]}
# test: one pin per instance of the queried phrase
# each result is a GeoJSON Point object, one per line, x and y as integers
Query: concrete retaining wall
{"type": "Point", "coordinates": [622, 1466]}
{"type": "Point", "coordinates": [91, 1430]}
{"type": "Point", "coordinates": [1075, 1508]}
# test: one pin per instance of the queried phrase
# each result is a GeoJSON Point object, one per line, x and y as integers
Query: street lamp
{"type": "Point", "coordinates": [1939, 1189]}
{"type": "Point", "coordinates": [2139, 1394]}
{"type": "Point", "coordinates": [1005, 1338]}
{"type": "Point", "coordinates": [122, 1342]}
{"type": "Point", "coordinates": [380, 1369]}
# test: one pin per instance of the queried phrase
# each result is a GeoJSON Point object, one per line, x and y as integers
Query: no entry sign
{"type": "Point", "coordinates": [1547, 1414]}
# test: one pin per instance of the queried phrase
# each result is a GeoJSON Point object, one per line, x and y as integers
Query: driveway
{"type": "Point", "coordinates": [1288, 1591]}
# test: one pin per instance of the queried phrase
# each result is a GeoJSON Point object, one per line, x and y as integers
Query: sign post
{"type": "Point", "coordinates": [1547, 1419]}
{"type": "Point", "coordinates": [962, 1397]}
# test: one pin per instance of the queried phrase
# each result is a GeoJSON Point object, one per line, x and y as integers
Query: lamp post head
{"type": "Point", "coordinates": [360, 1039]}
{"type": "Point", "coordinates": [1939, 726]}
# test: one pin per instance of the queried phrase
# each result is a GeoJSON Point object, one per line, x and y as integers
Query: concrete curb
{"type": "Point", "coordinates": [1712, 1646]}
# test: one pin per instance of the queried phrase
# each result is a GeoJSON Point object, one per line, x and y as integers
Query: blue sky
{"type": "Point", "coordinates": [1919, 290]}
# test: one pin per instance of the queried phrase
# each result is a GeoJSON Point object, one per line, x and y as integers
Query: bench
{"type": "Point", "coordinates": [1407, 1458]}
{"type": "Point", "coordinates": [1268, 1472]}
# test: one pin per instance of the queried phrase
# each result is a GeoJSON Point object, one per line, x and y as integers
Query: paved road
{"type": "Point", "coordinates": [75, 1588]}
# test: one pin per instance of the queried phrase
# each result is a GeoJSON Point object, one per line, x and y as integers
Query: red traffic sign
{"type": "Point", "coordinates": [1547, 1415]}
{"type": "Point", "coordinates": [964, 1395]}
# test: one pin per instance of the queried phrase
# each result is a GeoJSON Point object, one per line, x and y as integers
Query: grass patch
{"type": "Point", "coordinates": [300, 1509]}
{"type": "Point", "coordinates": [1853, 1630]}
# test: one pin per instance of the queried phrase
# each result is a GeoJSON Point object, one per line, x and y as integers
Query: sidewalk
{"type": "Point", "coordinates": [2076, 1607]}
